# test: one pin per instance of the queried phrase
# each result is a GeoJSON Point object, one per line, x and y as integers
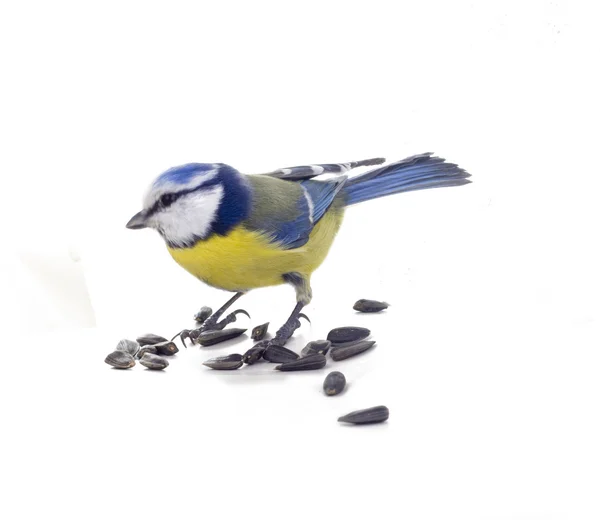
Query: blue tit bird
{"type": "Point", "coordinates": [240, 232]}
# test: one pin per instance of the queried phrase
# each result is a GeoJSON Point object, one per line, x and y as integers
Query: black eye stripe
{"type": "Point", "coordinates": [167, 199]}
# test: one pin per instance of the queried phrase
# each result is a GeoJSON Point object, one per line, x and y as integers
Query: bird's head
{"type": "Point", "coordinates": [189, 203]}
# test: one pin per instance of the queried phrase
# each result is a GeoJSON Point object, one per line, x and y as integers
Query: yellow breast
{"type": "Point", "coordinates": [245, 259]}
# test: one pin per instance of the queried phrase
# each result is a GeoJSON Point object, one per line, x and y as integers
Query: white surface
{"type": "Point", "coordinates": [488, 358]}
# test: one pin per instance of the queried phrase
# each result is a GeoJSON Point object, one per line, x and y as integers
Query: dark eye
{"type": "Point", "coordinates": [167, 199]}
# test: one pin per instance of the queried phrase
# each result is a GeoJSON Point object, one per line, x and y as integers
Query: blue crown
{"type": "Point", "coordinates": [183, 174]}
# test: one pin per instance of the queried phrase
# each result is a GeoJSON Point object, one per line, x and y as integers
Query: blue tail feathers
{"type": "Point", "coordinates": [418, 172]}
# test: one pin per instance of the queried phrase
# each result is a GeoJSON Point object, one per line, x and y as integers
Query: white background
{"type": "Point", "coordinates": [488, 358]}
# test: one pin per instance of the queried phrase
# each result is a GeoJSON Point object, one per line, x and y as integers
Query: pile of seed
{"type": "Point", "coordinates": [149, 350]}
{"type": "Point", "coordinates": [342, 343]}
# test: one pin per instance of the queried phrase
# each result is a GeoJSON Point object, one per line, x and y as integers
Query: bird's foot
{"type": "Point", "coordinates": [286, 331]}
{"type": "Point", "coordinates": [212, 323]}
{"type": "Point", "coordinates": [191, 334]}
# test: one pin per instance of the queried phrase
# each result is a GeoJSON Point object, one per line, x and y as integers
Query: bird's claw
{"type": "Point", "coordinates": [230, 318]}
{"type": "Point", "coordinates": [242, 311]}
{"type": "Point", "coordinates": [191, 334]}
{"type": "Point", "coordinates": [302, 315]}
{"type": "Point", "coordinates": [209, 324]}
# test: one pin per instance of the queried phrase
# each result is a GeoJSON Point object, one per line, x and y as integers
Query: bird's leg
{"type": "Point", "coordinates": [286, 331]}
{"type": "Point", "coordinates": [213, 323]}
{"type": "Point", "coordinates": [303, 296]}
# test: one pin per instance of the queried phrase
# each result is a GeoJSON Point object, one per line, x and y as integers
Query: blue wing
{"type": "Point", "coordinates": [318, 196]}
{"type": "Point", "coordinates": [321, 194]}
{"type": "Point", "coordinates": [307, 205]}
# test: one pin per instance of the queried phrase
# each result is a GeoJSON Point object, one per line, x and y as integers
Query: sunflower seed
{"type": "Point", "coordinates": [153, 362]}
{"type": "Point", "coordinates": [150, 339]}
{"type": "Point", "coordinates": [312, 362]}
{"type": "Point", "coordinates": [345, 334]}
{"type": "Point", "coordinates": [202, 316]}
{"type": "Point", "coordinates": [345, 344]}
{"type": "Point", "coordinates": [339, 353]}
{"type": "Point", "coordinates": [230, 362]}
{"type": "Point", "coordinates": [167, 348]}
{"type": "Point", "coordinates": [334, 383]}
{"type": "Point", "coordinates": [370, 306]}
{"type": "Point", "coordinates": [259, 331]}
{"type": "Point", "coordinates": [277, 354]}
{"type": "Point", "coordinates": [120, 359]}
{"type": "Point", "coordinates": [126, 345]}
{"type": "Point", "coordinates": [368, 415]}
{"type": "Point", "coordinates": [254, 354]}
{"type": "Point", "coordinates": [320, 346]}
{"type": "Point", "coordinates": [212, 337]}
{"type": "Point", "coordinates": [146, 350]}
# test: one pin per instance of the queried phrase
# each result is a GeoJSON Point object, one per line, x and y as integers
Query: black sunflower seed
{"type": "Point", "coordinates": [151, 349]}
{"type": "Point", "coordinates": [345, 344]}
{"type": "Point", "coordinates": [212, 337]}
{"type": "Point", "coordinates": [150, 339]}
{"type": "Point", "coordinates": [277, 354]}
{"type": "Point", "coordinates": [345, 334]}
{"type": "Point", "coordinates": [120, 359]}
{"type": "Point", "coordinates": [203, 314]}
{"type": "Point", "coordinates": [339, 353]}
{"type": "Point", "coordinates": [254, 354]}
{"type": "Point", "coordinates": [127, 345]}
{"type": "Point", "coordinates": [320, 346]}
{"type": "Point", "coordinates": [154, 362]}
{"type": "Point", "coordinates": [370, 306]}
{"type": "Point", "coordinates": [313, 362]}
{"type": "Point", "coordinates": [167, 348]}
{"type": "Point", "coordinates": [231, 362]}
{"type": "Point", "coordinates": [334, 383]}
{"type": "Point", "coordinates": [259, 331]}
{"type": "Point", "coordinates": [376, 414]}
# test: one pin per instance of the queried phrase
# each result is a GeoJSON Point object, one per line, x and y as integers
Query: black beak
{"type": "Point", "coordinates": [138, 221]}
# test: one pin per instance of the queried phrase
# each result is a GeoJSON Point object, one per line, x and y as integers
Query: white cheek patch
{"type": "Point", "coordinates": [190, 216]}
